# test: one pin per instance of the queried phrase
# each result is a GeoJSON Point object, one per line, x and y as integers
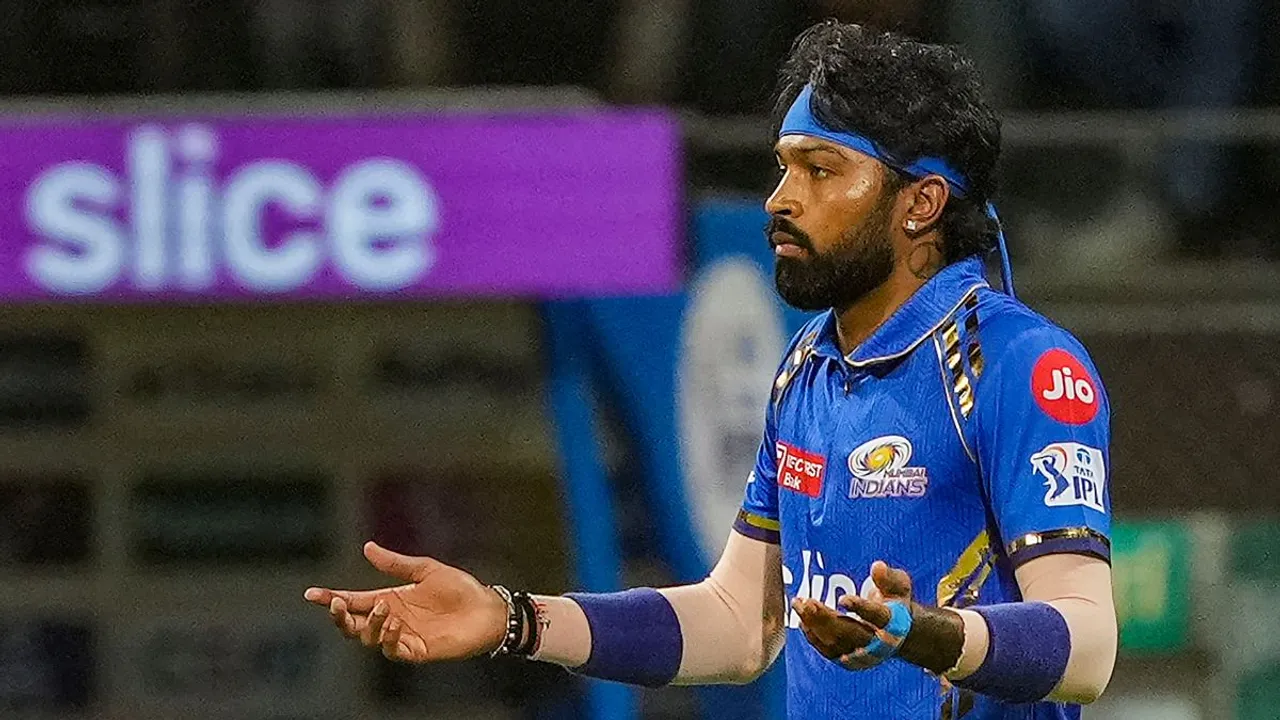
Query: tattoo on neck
{"type": "Point", "coordinates": [925, 260]}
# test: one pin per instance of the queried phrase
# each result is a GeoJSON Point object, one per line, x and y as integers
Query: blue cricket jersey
{"type": "Point", "coordinates": [966, 436]}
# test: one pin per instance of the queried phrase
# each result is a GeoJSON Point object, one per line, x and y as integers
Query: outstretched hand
{"type": "Point", "coordinates": [844, 638]}
{"type": "Point", "coordinates": [933, 640]}
{"type": "Point", "coordinates": [441, 613]}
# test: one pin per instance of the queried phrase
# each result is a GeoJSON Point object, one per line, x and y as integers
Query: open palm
{"type": "Point", "coordinates": [441, 613]}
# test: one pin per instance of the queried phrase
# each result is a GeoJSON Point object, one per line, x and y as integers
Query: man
{"type": "Point", "coordinates": [930, 493]}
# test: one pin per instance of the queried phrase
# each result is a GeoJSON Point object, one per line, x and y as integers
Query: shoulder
{"type": "Point", "coordinates": [1014, 337]}
{"type": "Point", "coordinates": [1023, 357]}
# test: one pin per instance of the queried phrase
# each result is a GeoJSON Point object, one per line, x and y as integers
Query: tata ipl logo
{"type": "Point", "coordinates": [1074, 474]}
{"type": "Point", "coordinates": [170, 223]}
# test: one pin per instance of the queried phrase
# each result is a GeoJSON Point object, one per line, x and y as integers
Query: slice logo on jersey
{"type": "Point", "coordinates": [1063, 388]}
{"type": "Point", "coordinates": [800, 470]}
{"type": "Point", "coordinates": [1074, 474]}
{"type": "Point", "coordinates": [880, 470]}
{"type": "Point", "coordinates": [816, 584]}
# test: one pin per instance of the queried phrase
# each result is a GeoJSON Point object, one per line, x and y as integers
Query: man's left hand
{"type": "Point", "coordinates": [934, 641]}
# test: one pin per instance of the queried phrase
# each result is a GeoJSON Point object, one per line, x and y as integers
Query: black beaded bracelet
{"type": "Point", "coordinates": [533, 628]}
{"type": "Point", "coordinates": [522, 631]}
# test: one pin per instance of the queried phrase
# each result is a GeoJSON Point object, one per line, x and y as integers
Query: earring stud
{"type": "Point", "coordinates": [911, 225]}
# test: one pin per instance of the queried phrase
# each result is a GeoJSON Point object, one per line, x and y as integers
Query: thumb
{"type": "Point", "coordinates": [402, 567]}
{"type": "Point", "coordinates": [893, 583]}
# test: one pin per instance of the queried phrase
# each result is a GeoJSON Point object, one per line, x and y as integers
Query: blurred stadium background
{"type": "Point", "coordinates": [484, 279]}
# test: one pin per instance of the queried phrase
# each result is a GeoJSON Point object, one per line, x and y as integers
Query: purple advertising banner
{"type": "Point", "coordinates": [580, 203]}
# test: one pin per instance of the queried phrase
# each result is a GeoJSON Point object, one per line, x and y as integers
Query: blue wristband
{"type": "Point", "coordinates": [1026, 655]}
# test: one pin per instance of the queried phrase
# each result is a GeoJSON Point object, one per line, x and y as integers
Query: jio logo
{"type": "Point", "coordinates": [1063, 388]}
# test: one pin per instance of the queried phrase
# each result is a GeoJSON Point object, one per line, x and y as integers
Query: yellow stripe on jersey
{"type": "Point", "coordinates": [968, 574]}
{"type": "Point", "coordinates": [976, 362]}
{"type": "Point", "coordinates": [759, 521]}
{"type": "Point", "coordinates": [959, 381]}
{"type": "Point", "coordinates": [954, 356]}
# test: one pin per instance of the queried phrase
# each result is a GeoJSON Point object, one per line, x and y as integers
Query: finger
{"type": "Point", "coordinates": [412, 647]}
{"type": "Point", "coordinates": [859, 660]}
{"type": "Point", "coordinates": [893, 582]}
{"type": "Point", "coordinates": [343, 620]}
{"type": "Point", "coordinates": [814, 610]}
{"type": "Point", "coordinates": [371, 636]}
{"type": "Point", "coordinates": [391, 640]}
{"type": "Point", "coordinates": [812, 622]}
{"type": "Point", "coordinates": [836, 633]}
{"type": "Point", "coordinates": [872, 612]}
{"type": "Point", "coordinates": [848, 640]}
{"type": "Point", "coordinates": [825, 621]}
{"type": "Point", "coordinates": [812, 618]}
{"type": "Point", "coordinates": [849, 604]}
{"type": "Point", "coordinates": [403, 567]}
{"type": "Point", "coordinates": [815, 636]}
{"type": "Point", "coordinates": [357, 601]}
{"type": "Point", "coordinates": [824, 648]}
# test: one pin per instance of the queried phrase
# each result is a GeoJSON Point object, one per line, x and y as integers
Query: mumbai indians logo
{"type": "Point", "coordinates": [880, 470]}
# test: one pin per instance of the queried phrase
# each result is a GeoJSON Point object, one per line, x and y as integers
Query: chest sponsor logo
{"type": "Point", "coordinates": [1074, 474]}
{"type": "Point", "coordinates": [880, 470]}
{"type": "Point", "coordinates": [1063, 388]}
{"type": "Point", "coordinates": [816, 584]}
{"type": "Point", "coordinates": [800, 470]}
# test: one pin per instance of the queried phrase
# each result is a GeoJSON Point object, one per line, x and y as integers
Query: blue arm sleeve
{"type": "Point", "coordinates": [635, 637]}
{"type": "Point", "coordinates": [1042, 434]}
{"type": "Point", "coordinates": [1030, 644]}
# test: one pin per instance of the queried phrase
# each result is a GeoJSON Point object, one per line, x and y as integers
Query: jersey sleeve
{"type": "Point", "coordinates": [1042, 435]}
{"type": "Point", "coordinates": [758, 518]}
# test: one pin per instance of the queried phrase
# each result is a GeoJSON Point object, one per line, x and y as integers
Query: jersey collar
{"type": "Point", "coordinates": [922, 314]}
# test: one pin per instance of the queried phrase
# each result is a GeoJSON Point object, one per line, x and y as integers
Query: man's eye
{"type": "Point", "coordinates": [820, 173]}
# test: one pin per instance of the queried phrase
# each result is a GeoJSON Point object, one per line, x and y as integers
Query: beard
{"type": "Point", "coordinates": [860, 262]}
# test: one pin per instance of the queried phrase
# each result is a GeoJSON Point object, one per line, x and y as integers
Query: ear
{"type": "Point", "coordinates": [927, 197]}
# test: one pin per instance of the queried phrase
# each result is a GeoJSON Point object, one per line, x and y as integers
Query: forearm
{"type": "Point", "coordinates": [565, 634]}
{"type": "Point", "coordinates": [725, 629]}
{"type": "Point", "coordinates": [732, 622]}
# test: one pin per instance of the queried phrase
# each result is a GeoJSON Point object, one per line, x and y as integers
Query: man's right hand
{"type": "Point", "coordinates": [442, 613]}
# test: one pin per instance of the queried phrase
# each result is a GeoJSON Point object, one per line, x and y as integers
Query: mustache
{"type": "Point", "coordinates": [780, 224]}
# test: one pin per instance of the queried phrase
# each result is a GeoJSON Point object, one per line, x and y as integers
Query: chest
{"type": "Point", "coordinates": [872, 463]}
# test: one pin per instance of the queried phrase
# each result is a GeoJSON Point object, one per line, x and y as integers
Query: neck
{"type": "Point", "coordinates": [855, 323]}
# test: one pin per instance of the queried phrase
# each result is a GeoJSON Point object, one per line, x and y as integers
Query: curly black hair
{"type": "Point", "coordinates": [913, 99]}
